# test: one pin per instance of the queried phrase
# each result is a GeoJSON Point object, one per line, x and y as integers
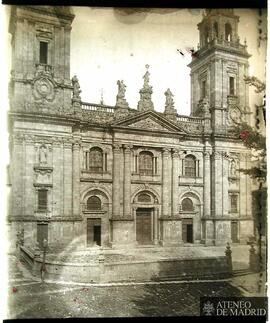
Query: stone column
{"type": "Point", "coordinates": [29, 192]}
{"type": "Point", "coordinates": [165, 182]}
{"type": "Point", "coordinates": [217, 184]}
{"type": "Point", "coordinates": [83, 161]}
{"type": "Point", "coordinates": [248, 187]}
{"type": "Point", "coordinates": [155, 225]}
{"type": "Point", "coordinates": [76, 178]}
{"type": "Point", "coordinates": [175, 179]}
{"type": "Point", "coordinates": [243, 201]}
{"type": "Point", "coordinates": [16, 174]}
{"type": "Point", "coordinates": [225, 188]}
{"type": "Point", "coordinates": [207, 185]}
{"type": "Point", "coordinates": [116, 180]}
{"type": "Point", "coordinates": [127, 180]}
{"type": "Point", "coordinates": [57, 197]}
{"type": "Point", "coordinates": [67, 178]}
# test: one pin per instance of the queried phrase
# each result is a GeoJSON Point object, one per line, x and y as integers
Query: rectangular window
{"type": "Point", "coordinates": [43, 52]}
{"type": "Point", "coordinates": [190, 166]}
{"type": "Point", "coordinates": [42, 200]}
{"type": "Point", "coordinates": [203, 89]}
{"type": "Point", "coordinates": [232, 87]}
{"type": "Point", "coordinates": [234, 203]}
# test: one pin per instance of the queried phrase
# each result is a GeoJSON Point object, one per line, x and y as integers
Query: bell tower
{"type": "Point", "coordinates": [218, 69]}
{"type": "Point", "coordinates": [40, 76]}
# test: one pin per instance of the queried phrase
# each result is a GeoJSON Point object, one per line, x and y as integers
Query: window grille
{"type": "Point", "coordinates": [190, 166]}
{"type": "Point", "coordinates": [144, 198]}
{"type": "Point", "coordinates": [187, 205]}
{"type": "Point", "coordinates": [146, 163]}
{"type": "Point", "coordinates": [42, 200]}
{"type": "Point", "coordinates": [96, 160]}
{"type": "Point", "coordinates": [93, 203]}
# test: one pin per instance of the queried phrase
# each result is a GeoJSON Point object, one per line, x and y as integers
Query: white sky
{"type": "Point", "coordinates": [105, 49]}
{"type": "Point", "coordinates": [107, 46]}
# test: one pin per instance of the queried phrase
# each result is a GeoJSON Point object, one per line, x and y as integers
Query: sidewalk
{"type": "Point", "coordinates": [251, 284]}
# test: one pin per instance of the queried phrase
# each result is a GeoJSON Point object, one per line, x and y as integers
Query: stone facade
{"type": "Point", "coordinates": [88, 174]}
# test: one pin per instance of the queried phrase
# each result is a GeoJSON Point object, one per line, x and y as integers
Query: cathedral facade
{"type": "Point", "coordinates": [116, 176]}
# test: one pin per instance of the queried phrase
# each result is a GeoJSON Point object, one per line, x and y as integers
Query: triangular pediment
{"type": "Point", "coordinates": [149, 121]}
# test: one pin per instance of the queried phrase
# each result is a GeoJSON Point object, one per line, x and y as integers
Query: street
{"type": "Point", "coordinates": [33, 299]}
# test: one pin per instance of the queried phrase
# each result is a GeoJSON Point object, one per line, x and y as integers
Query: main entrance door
{"type": "Point", "coordinates": [187, 230]}
{"type": "Point", "coordinates": [93, 232]}
{"type": "Point", "coordinates": [143, 226]}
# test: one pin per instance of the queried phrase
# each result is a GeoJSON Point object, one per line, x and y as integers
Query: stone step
{"type": "Point", "coordinates": [241, 272]}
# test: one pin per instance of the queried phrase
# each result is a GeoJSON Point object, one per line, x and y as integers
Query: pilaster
{"type": "Point", "coordinates": [67, 178]}
{"type": "Point", "coordinates": [116, 180]}
{"type": "Point", "coordinates": [175, 180]}
{"type": "Point", "coordinates": [207, 184]}
{"type": "Point", "coordinates": [127, 180]}
{"type": "Point", "coordinates": [217, 184]}
{"type": "Point", "coordinates": [243, 198]}
{"type": "Point", "coordinates": [76, 178]}
{"type": "Point", "coordinates": [225, 184]}
{"type": "Point", "coordinates": [165, 182]}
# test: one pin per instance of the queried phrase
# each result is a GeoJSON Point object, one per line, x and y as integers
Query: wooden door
{"type": "Point", "coordinates": [190, 233]}
{"type": "Point", "coordinates": [234, 231]}
{"type": "Point", "coordinates": [187, 230]}
{"type": "Point", "coordinates": [93, 234]}
{"type": "Point", "coordinates": [143, 226]}
{"type": "Point", "coordinates": [42, 233]}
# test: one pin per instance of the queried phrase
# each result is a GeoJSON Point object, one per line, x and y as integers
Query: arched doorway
{"type": "Point", "coordinates": [95, 211]}
{"type": "Point", "coordinates": [191, 220]}
{"type": "Point", "coordinates": [146, 218]}
{"type": "Point", "coordinates": [144, 225]}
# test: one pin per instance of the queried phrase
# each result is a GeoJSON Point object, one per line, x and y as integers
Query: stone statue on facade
{"type": "Point", "coordinates": [121, 89]}
{"type": "Point", "coordinates": [146, 78]}
{"type": "Point", "coordinates": [43, 155]}
{"type": "Point", "coordinates": [121, 101]}
{"type": "Point", "coordinates": [169, 99]}
{"type": "Point", "coordinates": [145, 102]}
{"type": "Point", "coordinates": [233, 168]}
{"type": "Point", "coordinates": [76, 88]}
{"type": "Point", "coordinates": [170, 112]}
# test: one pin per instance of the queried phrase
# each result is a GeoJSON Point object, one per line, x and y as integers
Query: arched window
{"type": "Point", "coordinates": [187, 205]}
{"type": "Point", "coordinates": [145, 198]}
{"type": "Point", "coordinates": [146, 163]}
{"type": "Point", "coordinates": [216, 29]}
{"type": "Point", "coordinates": [228, 32]}
{"type": "Point", "coordinates": [190, 166]}
{"type": "Point", "coordinates": [96, 160]}
{"type": "Point", "coordinates": [93, 203]}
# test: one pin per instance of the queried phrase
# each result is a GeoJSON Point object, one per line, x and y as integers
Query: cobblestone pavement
{"type": "Point", "coordinates": [33, 299]}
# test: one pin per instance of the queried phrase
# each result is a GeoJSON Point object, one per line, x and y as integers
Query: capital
{"type": "Point", "coordinates": [207, 154]}
{"type": "Point", "coordinates": [117, 147]}
{"type": "Point", "coordinates": [76, 144]}
{"type": "Point", "coordinates": [127, 149]}
{"type": "Point", "coordinates": [217, 154]}
{"type": "Point", "coordinates": [175, 153]}
{"type": "Point", "coordinates": [166, 151]}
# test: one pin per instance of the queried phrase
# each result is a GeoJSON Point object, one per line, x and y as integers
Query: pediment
{"type": "Point", "coordinates": [149, 121]}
